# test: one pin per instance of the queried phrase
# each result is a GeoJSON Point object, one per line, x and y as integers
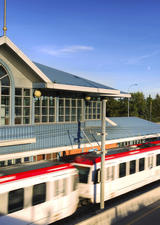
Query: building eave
{"type": "Point", "coordinates": [119, 95]}
{"type": "Point", "coordinates": [82, 89]}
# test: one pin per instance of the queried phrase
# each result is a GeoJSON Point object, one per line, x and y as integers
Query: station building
{"type": "Point", "coordinates": [46, 113]}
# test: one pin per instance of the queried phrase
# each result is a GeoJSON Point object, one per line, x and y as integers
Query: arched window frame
{"type": "Point", "coordinates": [12, 92]}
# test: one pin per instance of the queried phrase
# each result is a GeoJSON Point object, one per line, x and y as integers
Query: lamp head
{"type": "Point", "coordinates": [87, 98]}
{"type": "Point", "coordinates": [37, 93]}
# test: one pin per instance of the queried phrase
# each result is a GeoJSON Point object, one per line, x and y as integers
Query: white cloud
{"type": "Point", "coordinates": [138, 59]}
{"type": "Point", "coordinates": [66, 50]}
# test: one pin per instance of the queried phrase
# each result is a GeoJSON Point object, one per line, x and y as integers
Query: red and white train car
{"type": "Point", "coordinates": [38, 193]}
{"type": "Point", "coordinates": [125, 170]}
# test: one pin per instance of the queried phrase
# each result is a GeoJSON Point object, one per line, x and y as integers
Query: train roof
{"type": "Point", "coordinates": [95, 157]}
{"type": "Point", "coordinates": [16, 172]}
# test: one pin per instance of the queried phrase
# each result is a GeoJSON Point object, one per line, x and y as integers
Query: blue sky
{"type": "Point", "coordinates": [114, 42]}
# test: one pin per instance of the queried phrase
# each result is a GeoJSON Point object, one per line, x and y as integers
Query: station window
{"type": "Point", "coordinates": [141, 164]}
{"type": "Point", "coordinates": [158, 160]}
{"type": "Point", "coordinates": [93, 110]}
{"type": "Point", "coordinates": [122, 170]}
{"type": "Point", "coordinates": [5, 97]}
{"type": "Point", "coordinates": [132, 166]}
{"type": "Point", "coordinates": [44, 109]}
{"type": "Point", "coordinates": [22, 105]}
{"type": "Point", "coordinates": [70, 110]}
{"type": "Point", "coordinates": [39, 193]}
{"type": "Point", "coordinates": [15, 200]}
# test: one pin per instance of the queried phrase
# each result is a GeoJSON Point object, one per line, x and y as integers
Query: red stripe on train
{"type": "Point", "coordinates": [33, 173]}
{"type": "Point", "coordinates": [82, 160]}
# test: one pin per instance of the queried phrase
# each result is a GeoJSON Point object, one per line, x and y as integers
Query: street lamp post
{"type": "Point", "coordinates": [128, 107]}
{"type": "Point", "coordinates": [150, 110]}
{"type": "Point", "coordinates": [128, 92]}
{"type": "Point", "coordinates": [103, 138]}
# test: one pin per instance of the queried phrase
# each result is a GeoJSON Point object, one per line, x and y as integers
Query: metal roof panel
{"type": "Point", "coordinates": [61, 77]}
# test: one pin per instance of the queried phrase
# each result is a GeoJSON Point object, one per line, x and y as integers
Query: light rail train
{"type": "Point", "coordinates": [37, 193]}
{"type": "Point", "coordinates": [126, 169]}
{"type": "Point", "coordinates": [44, 192]}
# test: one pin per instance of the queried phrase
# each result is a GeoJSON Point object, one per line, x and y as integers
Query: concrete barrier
{"type": "Point", "coordinates": [124, 209]}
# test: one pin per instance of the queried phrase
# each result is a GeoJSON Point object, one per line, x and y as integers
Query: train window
{"type": "Point", "coordinates": [9, 162]}
{"type": "Point", "coordinates": [75, 182]}
{"type": "Point", "coordinates": [2, 163]}
{"type": "Point", "coordinates": [83, 173]}
{"type": "Point", "coordinates": [122, 170]}
{"type": "Point", "coordinates": [65, 186]}
{"type": "Point", "coordinates": [96, 176]}
{"type": "Point", "coordinates": [141, 164]}
{"type": "Point", "coordinates": [110, 173]}
{"type": "Point", "coordinates": [132, 166]}
{"type": "Point", "coordinates": [39, 193]}
{"type": "Point", "coordinates": [62, 187]}
{"type": "Point", "coordinates": [107, 173]}
{"type": "Point", "coordinates": [26, 159]}
{"type": "Point", "coordinates": [158, 160]}
{"type": "Point", "coordinates": [150, 162]}
{"type": "Point", "coordinates": [15, 200]}
{"type": "Point", "coordinates": [18, 161]}
{"type": "Point", "coordinates": [56, 188]}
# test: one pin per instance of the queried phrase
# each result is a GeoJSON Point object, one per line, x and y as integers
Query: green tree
{"type": "Point", "coordinates": [123, 107]}
{"type": "Point", "coordinates": [148, 113]}
{"type": "Point", "coordinates": [112, 107]}
{"type": "Point", "coordinates": [137, 105]}
{"type": "Point", "coordinates": [156, 109]}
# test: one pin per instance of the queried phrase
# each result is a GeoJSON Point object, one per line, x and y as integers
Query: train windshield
{"type": "Point", "coordinates": [83, 173]}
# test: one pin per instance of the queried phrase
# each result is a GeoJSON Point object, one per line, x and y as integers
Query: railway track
{"type": "Point", "coordinates": [85, 212]}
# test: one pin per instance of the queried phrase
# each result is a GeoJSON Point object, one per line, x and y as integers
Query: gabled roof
{"type": "Point", "coordinates": [61, 77]}
{"type": "Point", "coordinates": [57, 79]}
{"type": "Point", "coordinates": [68, 81]}
{"type": "Point", "coordinates": [6, 41]}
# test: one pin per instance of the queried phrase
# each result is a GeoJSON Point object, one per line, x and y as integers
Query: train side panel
{"type": "Point", "coordinates": [122, 175]}
{"type": "Point", "coordinates": [40, 200]}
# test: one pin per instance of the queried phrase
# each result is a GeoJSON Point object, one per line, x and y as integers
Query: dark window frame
{"type": "Point", "coordinates": [12, 197]}
{"type": "Point", "coordinates": [158, 160]}
{"type": "Point", "coordinates": [122, 169]}
{"type": "Point", "coordinates": [132, 167]}
{"type": "Point", "coordinates": [141, 166]}
{"type": "Point", "coordinates": [38, 198]}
